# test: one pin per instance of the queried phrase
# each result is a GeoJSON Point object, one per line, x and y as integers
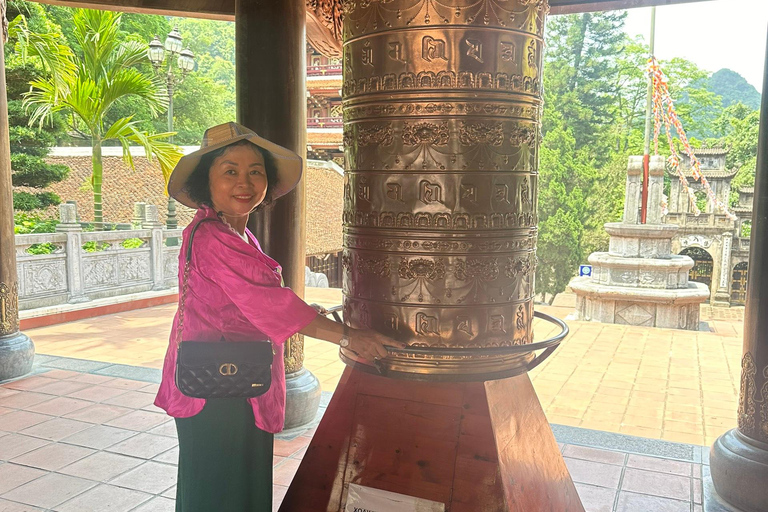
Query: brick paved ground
{"type": "Point", "coordinates": [86, 441]}
{"type": "Point", "coordinates": [655, 383]}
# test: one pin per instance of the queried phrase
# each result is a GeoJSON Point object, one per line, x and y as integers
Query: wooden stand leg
{"type": "Point", "coordinates": [472, 446]}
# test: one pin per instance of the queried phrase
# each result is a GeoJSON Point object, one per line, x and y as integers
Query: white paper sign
{"type": "Point", "coordinates": [367, 499]}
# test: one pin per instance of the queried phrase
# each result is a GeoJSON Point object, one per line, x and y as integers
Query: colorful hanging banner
{"type": "Point", "coordinates": [664, 112]}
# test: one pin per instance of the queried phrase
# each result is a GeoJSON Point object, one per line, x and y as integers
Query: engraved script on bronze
{"type": "Point", "coordinates": [442, 109]}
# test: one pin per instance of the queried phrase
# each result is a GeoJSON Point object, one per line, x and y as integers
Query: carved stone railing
{"type": "Point", "coordinates": [78, 266]}
{"type": "Point", "coordinates": [743, 244]}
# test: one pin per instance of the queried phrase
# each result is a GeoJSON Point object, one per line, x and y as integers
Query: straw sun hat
{"type": "Point", "coordinates": [287, 162]}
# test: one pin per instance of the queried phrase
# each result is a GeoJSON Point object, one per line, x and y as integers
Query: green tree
{"type": "Point", "coordinates": [29, 147]}
{"type": "Point", "coordinates": [91, 83]}
{"type": "Point", "coordinates": [580, 71]}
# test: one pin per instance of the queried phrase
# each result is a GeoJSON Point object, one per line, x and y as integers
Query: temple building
{"type": "Point", "coordinates": [324, 122]}
{"type": "Point", "coordinates": [718, 245]}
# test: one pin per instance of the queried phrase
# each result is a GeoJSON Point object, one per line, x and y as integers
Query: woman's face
{"type": "Point", "coordinates": [238, 181]}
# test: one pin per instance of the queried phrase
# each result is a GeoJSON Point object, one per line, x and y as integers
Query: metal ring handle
{"type": "Point", "coordinates": [548, 345]}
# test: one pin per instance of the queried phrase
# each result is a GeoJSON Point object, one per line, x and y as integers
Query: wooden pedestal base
{"type": "Point", "coordinates": [483, 447]}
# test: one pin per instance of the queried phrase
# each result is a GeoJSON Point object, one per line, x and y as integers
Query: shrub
{"type": "Point", "coordinates": [32, 171]}
{"type": "Point", "coordinates": [26, 202]}
{"type": "Point", "coordinates": [25, 224]}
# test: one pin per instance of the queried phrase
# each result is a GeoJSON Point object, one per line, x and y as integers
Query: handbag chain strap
{"type": "Point", "coordinates": [185, 283]}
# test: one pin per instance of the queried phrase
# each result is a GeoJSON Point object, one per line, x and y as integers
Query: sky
{"type": "Point", "coordinates": [714, 34]}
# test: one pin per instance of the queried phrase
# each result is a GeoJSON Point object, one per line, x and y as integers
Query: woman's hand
{"type": "Point", "coordinates": [370, 345]}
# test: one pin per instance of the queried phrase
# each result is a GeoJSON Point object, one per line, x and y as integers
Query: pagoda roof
{"type": "Point", "coordinates": [325, 137]}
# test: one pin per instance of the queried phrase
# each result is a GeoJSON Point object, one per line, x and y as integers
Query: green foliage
{"type": "Point", "coordinates": [32, 171]}
{"type": "Point", "coordinates": [26, 223]}
{"type": "Point", "coordinates": [91, 79]}
{"type": "Point", "coordinates": [26, 202]}
{"type": "Point", "coordinates": [30, 146]}
{"type": "Point", "coordinates": [733, 88]}
{"type": "Point", "coordinates": [595, 95]}
{"type": "Point", "coordinates": [746, 229]}
{"type": "Point", "coordinates": [132, 243]}
{"type": "Point", "coordinates": [580, 74]}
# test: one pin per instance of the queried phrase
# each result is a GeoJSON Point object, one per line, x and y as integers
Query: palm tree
{"type": "Point", "coordinates": [87, 86]}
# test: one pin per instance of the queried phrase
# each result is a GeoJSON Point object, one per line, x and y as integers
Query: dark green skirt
{"type": "Point", "coordinates": [225, 461]}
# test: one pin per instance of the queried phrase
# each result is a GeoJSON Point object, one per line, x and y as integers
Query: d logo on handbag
{"type": "Point", "coordinates": [228, 369]}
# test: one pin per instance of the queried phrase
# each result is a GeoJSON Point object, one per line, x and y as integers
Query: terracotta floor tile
{"type": "Point", "coordinates": [596, 499]}
{"type": "Point", "coordinates": [288, 448]}
{"type": "Point", "coordinates": [682, 437]}
{"type": "Point", "coordinates": [13, 475]}
{"type": "Point", "coordinates": [94, 500]}
{"type": "Point", "coordinates": [131, 399]}
{"type": "Point", "coordinates": [652, 433]}
{"type": "Point", "coordinates": [158, 504]}
{"type": "Point", "coordinates": [92, 378]}
{"type": "Point", "coordinates": [61, 374]}
{"type": "Point", "coordinates": [169, 457]}
{"type": "Point", "coordinates": [22, 399]}
{"type": "Point", "coordinates": [664, 485]}
{"type": "Point", "coordinates": [29, 383]}
{"type": "Point", "coordinates": [18, 420]}
{"type": "Point", "coordinates": [138, 420]}
{"type": "Point", "coordinates": [683, 426]}
{"type": "Point", "coordinates": [594, 454]}
{"type": "Point", "coordinates": [658, 465]}
{"type": "Point", "coordinates": [98, 413]}
{"type": "Point", "coordinates": [11, 506]}
{"type": "Point", "coordinates": [644, 421]}
{"type": "Point", "coordinates": [49, 491]}
{"type": "Point", "coordinates": [166, 429]}
{"type": "Point", "coordinates": [56, 429]}
{"type": "Point", "coordinates": [150, 477]}
{"type": "Point", "coordinates": [101, 466]}
{"type": "Point", "coordinates": [97, 393]}
{"type": "Point", "coordinates": [632, 502]}
{"type": "Point", "coordinates": [13, 445]}
{"type": "Point", "coordinates": [144, 446]}
{"type": "Point", "coordinates": [128, 385]}
{"type": "Point", "coordinates": [53, 457]}
{"type": "Point", "coordinates": [283, 473]}
{"type": "Point", "coordinates": [61, 387]}
{"type": "Point", "coordinates": [99, 437]}
{"type": "Point", "coordinates": [594, 473]}
{"type": "Point", "coordinates": [59, 406]}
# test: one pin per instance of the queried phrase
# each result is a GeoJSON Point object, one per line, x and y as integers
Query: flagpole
{"type": "Point", "coordinates": [648, 115]}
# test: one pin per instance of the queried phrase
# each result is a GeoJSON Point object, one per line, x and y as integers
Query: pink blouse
{"type": "Point", "coordinates": [234, 292]}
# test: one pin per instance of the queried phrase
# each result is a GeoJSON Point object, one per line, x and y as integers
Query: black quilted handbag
{"type": "Point", "coordinates": [222, 369]}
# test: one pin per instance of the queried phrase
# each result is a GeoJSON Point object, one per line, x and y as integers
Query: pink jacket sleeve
{"type": "Point", "coordinates": [249, 282]}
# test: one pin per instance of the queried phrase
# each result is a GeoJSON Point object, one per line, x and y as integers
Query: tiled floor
{"type": "Point", "coordinates": [656, 383]}
{"type": "Point", "coordinates": [85, 442]}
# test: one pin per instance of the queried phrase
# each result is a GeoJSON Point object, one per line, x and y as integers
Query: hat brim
{"type": "Point", "coordinates": [288, 165]}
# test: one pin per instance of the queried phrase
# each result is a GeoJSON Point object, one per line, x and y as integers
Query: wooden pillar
{"type": "Point", "coordinates": [271, 100]}
{"type": "Point", "coordinates": [16, 349]}
{"type": "Point", "coordinates": [739, 458]}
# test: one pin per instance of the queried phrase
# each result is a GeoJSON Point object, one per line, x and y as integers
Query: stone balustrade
{"type": "Point", "coordinates": [82, 266]}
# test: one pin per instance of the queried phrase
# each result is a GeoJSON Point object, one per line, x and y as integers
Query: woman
{"type": "Point", "coordinates": [235, 293]}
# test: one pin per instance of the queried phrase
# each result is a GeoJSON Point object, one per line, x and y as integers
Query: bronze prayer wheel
{"type": "Point", "coordinates": [442, 106]}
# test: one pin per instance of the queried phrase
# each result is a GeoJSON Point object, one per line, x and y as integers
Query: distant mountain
{"type": "Point", "coordinates": [734, 88]}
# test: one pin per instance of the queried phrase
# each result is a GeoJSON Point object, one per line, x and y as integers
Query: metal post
{"type": "Point", "coordinates": [739, 458]}
{"type": "Point", "coordinates": [170, 221]}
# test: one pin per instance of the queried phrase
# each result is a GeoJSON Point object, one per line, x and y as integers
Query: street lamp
{"type": "Point", "coordinates": [164, 68]}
